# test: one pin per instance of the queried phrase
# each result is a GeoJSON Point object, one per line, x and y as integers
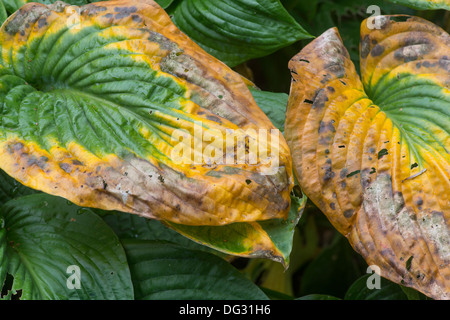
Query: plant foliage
{"type": "Point", "coordinates": [93, 205]}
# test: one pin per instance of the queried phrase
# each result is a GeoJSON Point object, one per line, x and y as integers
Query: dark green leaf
{"type": "Point", "coordinates": [275, 295]}
{"type": "Point", "coordinates": [332, 271]}
{"type": "Point", "coordinates": [424, 4]}
{"type": "Point", "coordinates": [41, 236]}
{"type": "Point", "coordinates": [235, 31]}
{"type": "Point", "coordinates": [10, 188]}
{"type": "Point", "coordinates": [273, 104]}
{"type": "Point", "coordinates": [412, 294]}
{"type": "Point", "coordinates": [129, 226]}
{"type": "Point", "coordinates": [162, 271]}
{"type": "Point", "coordinates": [3, 13]}
{"type": "Point", "coordinates": [359, 290]}
{"type": "Point", "coordinates": [164, 3]}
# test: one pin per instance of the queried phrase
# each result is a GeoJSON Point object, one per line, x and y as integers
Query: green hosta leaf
{"type": "Point", "coordinates": [412, 294]}
{"type": "Point", "coordinates": [238, 30]}
{"type": "Point", "coordinates": [162, 271]}
{"type": "Point", "coordinates": [424, 4]}
{"type": "Point", "coordinates": [317, 297]}
{"type": "Point", "coordinates": [3, 13]}
{"type": "Point", "coordinates": [387, 290]}
{"type": "Point", "coordinates": [12, 5]}
{"type": "Point", "coordinates": [41, 236]}
{"type": "Point", "coordinates": [273, 104]}
{"type": "Point", "coordinates": [10, 188]}
{"type": "Point", "coordinates": [332, 271]}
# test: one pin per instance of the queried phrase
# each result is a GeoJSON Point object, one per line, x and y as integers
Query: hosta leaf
{"type": "Point", "coordinates": [265, 239]}
{"type": "Point", "coordinates": [273, 104]}
{"type": "Point", "coordinates": [373, 155]}
{"type": "Point", "coordinates": [10, 188]}
{"type": "Point", "coordinates": [96, 101]}
{"type": "Point", "coordinates": [164, 3]}
{"type": "Point", "coordinates": [162, 271]}
{"type": "Point", "coordinates": [3, 13]}
{"type": "Point", "coordinates": [317, 297]}
{"type": "Point", "coordinates": [13, 5]}
{"type": "Point", "coordinates": [331, 272]}
{"type": "Point", "coordinates": [238, 30]}
{"type": "Point", "coordinates": [387, 290]}
{"type": "Point", "coordinates": [131, 226]}
{"type": "Point", "coordinates": [424, 4]}
{"type": "Point", "coordinates": [42, 237]}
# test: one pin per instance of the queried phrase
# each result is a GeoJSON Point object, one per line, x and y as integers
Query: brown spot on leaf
{"type": "Point", "coordinates": [77, 162]}
{"type": "Point", "coordinates": [349, 213]}
{"type": "Point", "coordinates": [214, 118]}
{"type": "Point", "coordinates": [66, 167]}
{"type": "Point", "coordinates": [329, 173]}
{"type": "Point", "coordinates": [365, 46]}
{"type": "Point", "coordinates": [377, 51]}
{"type": "Point", "coordinates": [326, 127]}
{"type": "Point", "coordinates": [136, 18]}
{"type": "Point", "coordinates": [343, 173]}
{"type": "Point", "coordinates": [320, 100]}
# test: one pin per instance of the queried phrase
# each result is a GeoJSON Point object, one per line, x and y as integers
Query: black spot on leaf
{"type": "Point", "coordinates": [408, 263]}
{"type": "Point", "coordinates": [349, 213]}
{"type": "Point", "coordinates": [382, 153]}
{"type": "Point", "coordinates": [351, 174]}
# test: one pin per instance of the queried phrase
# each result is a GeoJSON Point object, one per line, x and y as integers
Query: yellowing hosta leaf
{"type": "Point", "coordinates": [103, 104]}
{"type": "Point", "coordinates": [374, 154]}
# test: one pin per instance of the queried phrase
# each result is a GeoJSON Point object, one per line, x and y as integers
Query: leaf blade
{"type": "Point", "coordinates": [377, 208]}
{"type": "Point", "coordinates": [238, 30]}
{"type": "Point", "coordinates": [46, 235]}
{"type": "Point", "coordinates": [87, 128]}
{"type": "Point", "coordinates": [166, 271]}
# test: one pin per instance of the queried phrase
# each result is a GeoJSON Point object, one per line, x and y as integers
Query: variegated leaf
{"type": "Point", "coordinates": [96, 100]}
{"type": "Point", "coordinates": [374, 154]}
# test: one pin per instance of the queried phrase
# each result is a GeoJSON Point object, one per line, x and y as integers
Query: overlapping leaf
{"type": "Point", "coordinates": [273, 104]}
{"type": "Point", "coordinates": [10, 188]}
{"type": "Point", "coordinates": [164, 271]}
{"type": "Point", "coordinates": [232, 31]}
{"type": "Point", "coordinates": [386, 290]}
{"type": "Point", "coordinates": [14, 5]}
{"type": "Point", "coordinates": [238, 30]}
{"type": "Point", "coordinates": [48, 244]}
{"type": "Point", "coordinates": [271, 239]}
{"type": "Point", "coordinates": [92, 97]}
{"type": "Point", "coordinates": [425, 4]}
{"type": "Point", "coordinates": [3, 13]}
{"type": "Point", "coordinates": [373, 155]}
